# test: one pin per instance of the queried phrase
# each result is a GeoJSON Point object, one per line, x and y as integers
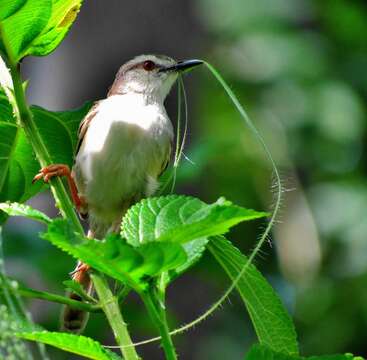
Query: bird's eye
{"type": "Point", "coordinates": [148, 65]}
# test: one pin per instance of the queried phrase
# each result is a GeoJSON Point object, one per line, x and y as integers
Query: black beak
{"type": "Point", "coordinates": [182, 65]}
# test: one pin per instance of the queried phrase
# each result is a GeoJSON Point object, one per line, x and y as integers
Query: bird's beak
{"type": "Point", "coordinates": [182, 65]}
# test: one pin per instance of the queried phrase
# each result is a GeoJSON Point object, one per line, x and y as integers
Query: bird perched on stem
{"type": "Point", "coordinates": [124, 146]}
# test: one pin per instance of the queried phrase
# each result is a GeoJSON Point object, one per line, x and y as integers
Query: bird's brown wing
{"type": "Point", "coordinates": [83, 127]}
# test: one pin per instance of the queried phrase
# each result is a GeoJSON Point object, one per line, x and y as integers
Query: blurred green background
{"type": "Point", "coordinates": [300, 69]}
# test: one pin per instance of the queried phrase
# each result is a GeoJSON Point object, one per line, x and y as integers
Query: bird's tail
{"type": "Point", "coordinates": [73, 320]}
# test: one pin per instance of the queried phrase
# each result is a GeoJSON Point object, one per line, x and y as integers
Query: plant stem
{"type": "Point", "coordinates": [110, 307]}
{"type": "Point", "coordinates": [26, 121]}
{"type": "Point", "coordinates": [79, 305]}
{"type": "Point", "coordinates": [157, 313]}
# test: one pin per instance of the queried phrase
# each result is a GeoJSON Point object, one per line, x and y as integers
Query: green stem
{"type": "Point", "coordinates": [26, 121]}
{"type": "Point", "coordinates": [43, 295]}
{"type": "Point", "coordinates": [157, 312]}
{"type": "Point", "coordinates": [110, 307]}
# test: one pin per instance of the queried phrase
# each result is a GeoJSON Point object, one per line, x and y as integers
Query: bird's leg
{"type": "Point", "coordinates": [73, 320]}
{"type": "Point", "coordinates": [53, 170]}
{"type": "Point", "coordinates": [80, 274]}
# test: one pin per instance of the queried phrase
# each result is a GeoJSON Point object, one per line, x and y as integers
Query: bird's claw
{"type": "Point", "coordinates": [51, 171]}
{"type": "Point", "coordinates": [79, 273]}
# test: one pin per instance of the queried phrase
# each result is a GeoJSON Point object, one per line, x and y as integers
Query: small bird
{"type": "Point", "coordinates": [124, 146]}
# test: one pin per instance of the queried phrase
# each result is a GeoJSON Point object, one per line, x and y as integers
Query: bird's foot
{"type": "Point", "coordinates": [80, 273]}
{"type": "Point", "coordinates": [53, 170]}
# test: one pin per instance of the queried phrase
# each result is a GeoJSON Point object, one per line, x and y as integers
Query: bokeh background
{"type": "Point", "coordinates": [300, 69]}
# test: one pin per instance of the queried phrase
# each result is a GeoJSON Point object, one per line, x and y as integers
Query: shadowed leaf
{"type": "Point", "coordinates": [272, 323]}
{"type": "Point", "coordinates": [76, 344]}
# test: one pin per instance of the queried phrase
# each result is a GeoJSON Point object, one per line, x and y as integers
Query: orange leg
{"type": "Point", "coordinates": [53, 170]}
{"type": "Point", "coordinates": [80, 273]}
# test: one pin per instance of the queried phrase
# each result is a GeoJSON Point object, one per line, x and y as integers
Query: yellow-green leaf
{"type": "Point", "coordinates": [35, 27]}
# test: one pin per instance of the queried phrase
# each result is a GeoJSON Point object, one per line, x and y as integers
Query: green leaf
{"type": "Point", "coordinates": [59, 131]}
{"type": "Point", "coordinates": [9, 7]}
{"type": "Point", "coordinates": [22, 27]}
{"type": "Point", "coordinates": [271, 321]}
{"type": "Point", "coordinates": [76, 344]}
{"type": "Point", "coordinates": [181, 219]}
{"type": "Point", "coordinates": [261, 352]}
{"type": "Point", "coordinates": [64, 12]}
{"type": "Point", "coordinates": [8, 134]}
{"type": "Point", "coordinates": [70, 119]}
{"type": "Point", "coordinates": [16, 209]}
{"type": "Point", "coordinates": [114, 257]}
{"type": "Point", "coordinates": [194, 250]}
{"type": "Point", "coordinates": [17, 161]}
{"type": "Point", "coordinates": [35, 27]}
{"type": "Point", "coordinates": [18, 164]}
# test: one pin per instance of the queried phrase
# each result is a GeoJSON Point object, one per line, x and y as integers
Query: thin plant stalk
{"type": "Point", "coordinates": [43, 295]}
{"type": "Point", "coordinates": [110, 307]}
{"type": "Point", "coordinates": [157, 312]}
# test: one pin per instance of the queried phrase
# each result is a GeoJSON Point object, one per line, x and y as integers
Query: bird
{"type": "Point", "coordinates": [124, 145]}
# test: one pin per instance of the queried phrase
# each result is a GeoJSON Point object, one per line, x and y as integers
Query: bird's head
{"type": "Point", "coordinates": [152, 75]}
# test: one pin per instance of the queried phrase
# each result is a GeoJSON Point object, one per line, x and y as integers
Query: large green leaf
{"type": "Point", "coordinates": [182, 219]}
{"type": "Point", "coordinates": [179, 218]}
{"type": "Point", "coordinates": [9, 7]}
{"type": "Point", "coordinates": [22, 27]}
{"type": "Point", "coordinates": [70, 119]}
{"type": "Point", "coordinates": [35, 27]}
{"type": "Point", "coordinates": [76, 344]}
{"type": "Point", "coordinates": [8, 134]}
{"type": "Point", "coordinates": [261, 352]}
{"type": "Point", "coordinates": [114, 257]}
{"type": "Point", "coordinates": [64, 13]}
{"type": "Point", "coordinates": [59, 131]}
{"type": "Point", "coordinates": [17, 161]}
{"type": "Point", "coordinates": [18, 164]}
{"type": "Point", "coordinates": [271, 321]}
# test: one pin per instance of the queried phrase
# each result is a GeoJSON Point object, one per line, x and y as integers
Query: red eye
{"type": "Point", "coordinates": [148, 65]}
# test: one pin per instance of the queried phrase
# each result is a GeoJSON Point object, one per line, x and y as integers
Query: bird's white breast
{"type": "Point", "coordinates": [123, 149]}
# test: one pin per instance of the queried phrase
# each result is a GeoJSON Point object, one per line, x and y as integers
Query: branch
{"type": "Point", "coordinates": [43, 295]}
